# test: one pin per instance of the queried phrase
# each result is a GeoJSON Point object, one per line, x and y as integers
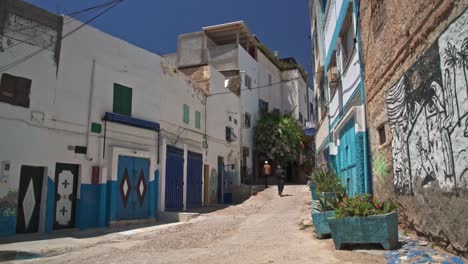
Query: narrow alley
{"type": "Point", "coordinates": [264, 229]}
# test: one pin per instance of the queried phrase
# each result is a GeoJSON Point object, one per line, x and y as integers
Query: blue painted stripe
{"type": "Point", "coordinates": [336, 32]}
{"type": "Point", "coordinates": [50, 206]}
{"type": "Point", "coordinates": [90, 207]}
{"type": "Point", "coordinates": [111, 201]}
{"type": "Point", "coordinates": [7, 222]}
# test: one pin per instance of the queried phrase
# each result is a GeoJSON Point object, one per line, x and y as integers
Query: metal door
{"type": "Point", "coordinates": [29, 199]}
{"type": "Point", "coordinates": [347, 158]}
{"type": "Point", "coordinates": [66, 179]}
{"type": "Point", "coordinates": [174, 179]}
{"type": "Point", "coordinates": [194, 179]}
{"type": "Point", "coordinates": [132, 179]}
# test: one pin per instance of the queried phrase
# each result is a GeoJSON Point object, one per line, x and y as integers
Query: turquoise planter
{"type": "Point", "coordinates": [313, 191]}
{"type": "Point", "coordinates": [382, 229]}
{"type": "Point", "coordinates": [320, 222]}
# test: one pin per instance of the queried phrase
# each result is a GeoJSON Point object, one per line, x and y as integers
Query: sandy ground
{"type": "Point", "coordinates": [264, 229]}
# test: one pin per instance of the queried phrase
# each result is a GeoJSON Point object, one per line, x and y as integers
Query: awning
{"type": "Point", "coordinates": [131, 121]}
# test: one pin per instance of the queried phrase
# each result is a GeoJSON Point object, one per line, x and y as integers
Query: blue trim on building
{"type": "Point", "coordinates": [50, 206]}
{"type": "Point", "coordinates": [131, 121]}
{"type": "Point", "coordinates": [102, 213]}
{"type": "Point", "coordinates": [336, 32]}
{"type": "Point", "coordinates": [366, 142]}
{"type": "Point", "coordinates": [153, 195]}
{"type": "Point", "coordinates": [90, 206]}
{"type": "Point", "coordinates": [111, 201]}
{"type": "Point", "coordinates": [7, 221]}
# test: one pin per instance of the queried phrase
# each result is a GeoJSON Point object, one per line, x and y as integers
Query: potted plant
{"type": "Point", "coordinates": [325, 183]}
{"type": "Point", "coordinates": [362, 219]}
{"type": "Point", "coordinates": [322, 209]}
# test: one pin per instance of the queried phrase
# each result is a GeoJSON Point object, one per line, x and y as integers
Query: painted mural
{"type": "Point", "coordinates": [428, 116]}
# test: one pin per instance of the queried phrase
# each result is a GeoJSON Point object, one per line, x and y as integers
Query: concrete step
{"type": "Point", "coordinates": [177, 216]}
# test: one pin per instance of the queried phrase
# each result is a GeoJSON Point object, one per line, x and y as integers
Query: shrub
{"type": "Point", "coordinates": [327, 181]}
{"type": "Point", "coordinates": [363, 205]}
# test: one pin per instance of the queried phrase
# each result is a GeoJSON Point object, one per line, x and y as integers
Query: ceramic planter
{"type": "Point", "coordinates": [320, 222]}
{"type": "Point", "coordinates": [382, 229]}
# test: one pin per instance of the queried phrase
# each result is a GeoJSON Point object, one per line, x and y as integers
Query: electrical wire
{"type": "Point", "coordinates": [69, 20]}
{"type": "Point", "coordinates": [13, 64]}
{"type": "Point", "coordinates": [71, 15]}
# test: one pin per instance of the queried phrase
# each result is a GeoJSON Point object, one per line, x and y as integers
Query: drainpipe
{"type": "Point", "coordinates": [367, 161]}
{"type": "Point", "coordinates": [90, 107]}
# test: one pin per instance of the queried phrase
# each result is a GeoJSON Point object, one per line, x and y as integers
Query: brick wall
{"type": "Point", "coordinates": [416, 88]}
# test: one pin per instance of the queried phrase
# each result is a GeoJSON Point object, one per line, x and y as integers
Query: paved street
{"type": "Point", "coordinates": [264, 229]}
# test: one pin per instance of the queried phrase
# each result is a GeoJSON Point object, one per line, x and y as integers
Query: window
{"type": "Point", "coordinates": [382, 136]}
{"type": "Point", "coordinates": [197, 119]}
{"type": "Point", "coordinates": [15, 90]}
{"type": "Point", "coordinates": [248, 81]}
{"type": "Point", "coordinates": [301, 118]}
{"type": "Point", "coordinates": [263, 106]}
{"type": "Point", "coordinates": [269, 79]}
{"type": "Point", "coordinates": [186, 117]}
{"type": "Point", "coordinates": [347, 40]}
{"type": "Point", "coordinates": [247, 120]}
{"type": "Point", "coordinates": [229, 136]}
{"type": "Point", "coordinates": [122, 100]}
{"type": "Point", "coordinates": [276, 111]}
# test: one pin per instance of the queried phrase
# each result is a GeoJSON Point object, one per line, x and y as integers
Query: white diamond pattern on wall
{"type": "Point", "coordinates": [29, 203]}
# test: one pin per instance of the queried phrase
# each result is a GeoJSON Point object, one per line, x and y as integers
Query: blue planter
{"type": "Point", "coordinates": [382, 229]}
{"type": "Point", "coordinates": [320, 222]}
{"type": "Point", "coordinates": [313, 191]}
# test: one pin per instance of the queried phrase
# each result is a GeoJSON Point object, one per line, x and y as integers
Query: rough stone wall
{"type": "Point", "coordinates": [415, 67]}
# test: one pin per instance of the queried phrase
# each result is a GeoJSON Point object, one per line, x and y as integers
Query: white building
{"type": "Point", "coordinates": [96, 130]}
{"type": "Point", "coordinates": [258, 78]}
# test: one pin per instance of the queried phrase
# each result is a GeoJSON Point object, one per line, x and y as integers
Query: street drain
{"type": "Point", "coordinates": [18, 255]}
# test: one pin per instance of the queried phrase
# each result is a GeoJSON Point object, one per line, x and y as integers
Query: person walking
{"type": "Point", "coordinates": [279, 173]}
{"type": "Point", "coordinates": [266, 173]}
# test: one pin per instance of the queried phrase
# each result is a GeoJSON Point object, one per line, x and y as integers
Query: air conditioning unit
{"type": "Point", "coordinates": [333, 76]}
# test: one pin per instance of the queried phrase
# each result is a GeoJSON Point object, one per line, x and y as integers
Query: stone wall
{"type": "Point", "coordinates": [415, 63]}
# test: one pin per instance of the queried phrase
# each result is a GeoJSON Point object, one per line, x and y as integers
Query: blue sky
{"type": "Point", "coordinates": [154, 25]}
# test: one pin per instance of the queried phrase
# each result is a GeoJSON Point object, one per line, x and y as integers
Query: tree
{"type": "Point", "coordinates": [278, 136]}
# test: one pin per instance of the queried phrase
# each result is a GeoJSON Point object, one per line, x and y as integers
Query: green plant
{"type": "Point", "coordinates": [363, 205]}
{"type": "Point", "coordinates": [380, 167]}
{"type": "Point", "coordinates": [324, 204]}
{"type": "Point", "coordinates": [278, 136]}
{"type": "Point", "coordinates": [327, 181]}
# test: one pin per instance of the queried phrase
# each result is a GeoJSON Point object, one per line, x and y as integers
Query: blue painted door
{"type": "Point", "coordinates": [174, 179]}
{"type": "Point", "coordinates": [133, 183]}
{"type": "Point", "coordinates": [347, 158]}
{"type": "Point", "coordinates": [194, 180]}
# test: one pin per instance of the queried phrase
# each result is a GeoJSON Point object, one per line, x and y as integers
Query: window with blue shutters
{"type": "Point", "coordinates": [186, 117]}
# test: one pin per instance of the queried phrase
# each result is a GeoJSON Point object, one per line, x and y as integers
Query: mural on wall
{"type": "Point", "coordinates": [428, 116]}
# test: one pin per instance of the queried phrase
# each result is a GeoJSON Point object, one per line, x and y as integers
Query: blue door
{"type": "Point", "coordinates": [347, 158]}
{"type": "Point", "coordinates": [194, 180]}
{"type": "Point", "coordinates": [174, 179]}
{"type": "Point", "coordinates": [133, 183]}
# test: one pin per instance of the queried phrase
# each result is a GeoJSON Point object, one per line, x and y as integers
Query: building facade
{"type": "Point", "coordinates": [335, 24]}
{"type": "Point", "coordinates": [417, 103]}
{"type": "Point", "coordinates": [97, 131]}
{"type": "Point", "coordinates": [254, 75]}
